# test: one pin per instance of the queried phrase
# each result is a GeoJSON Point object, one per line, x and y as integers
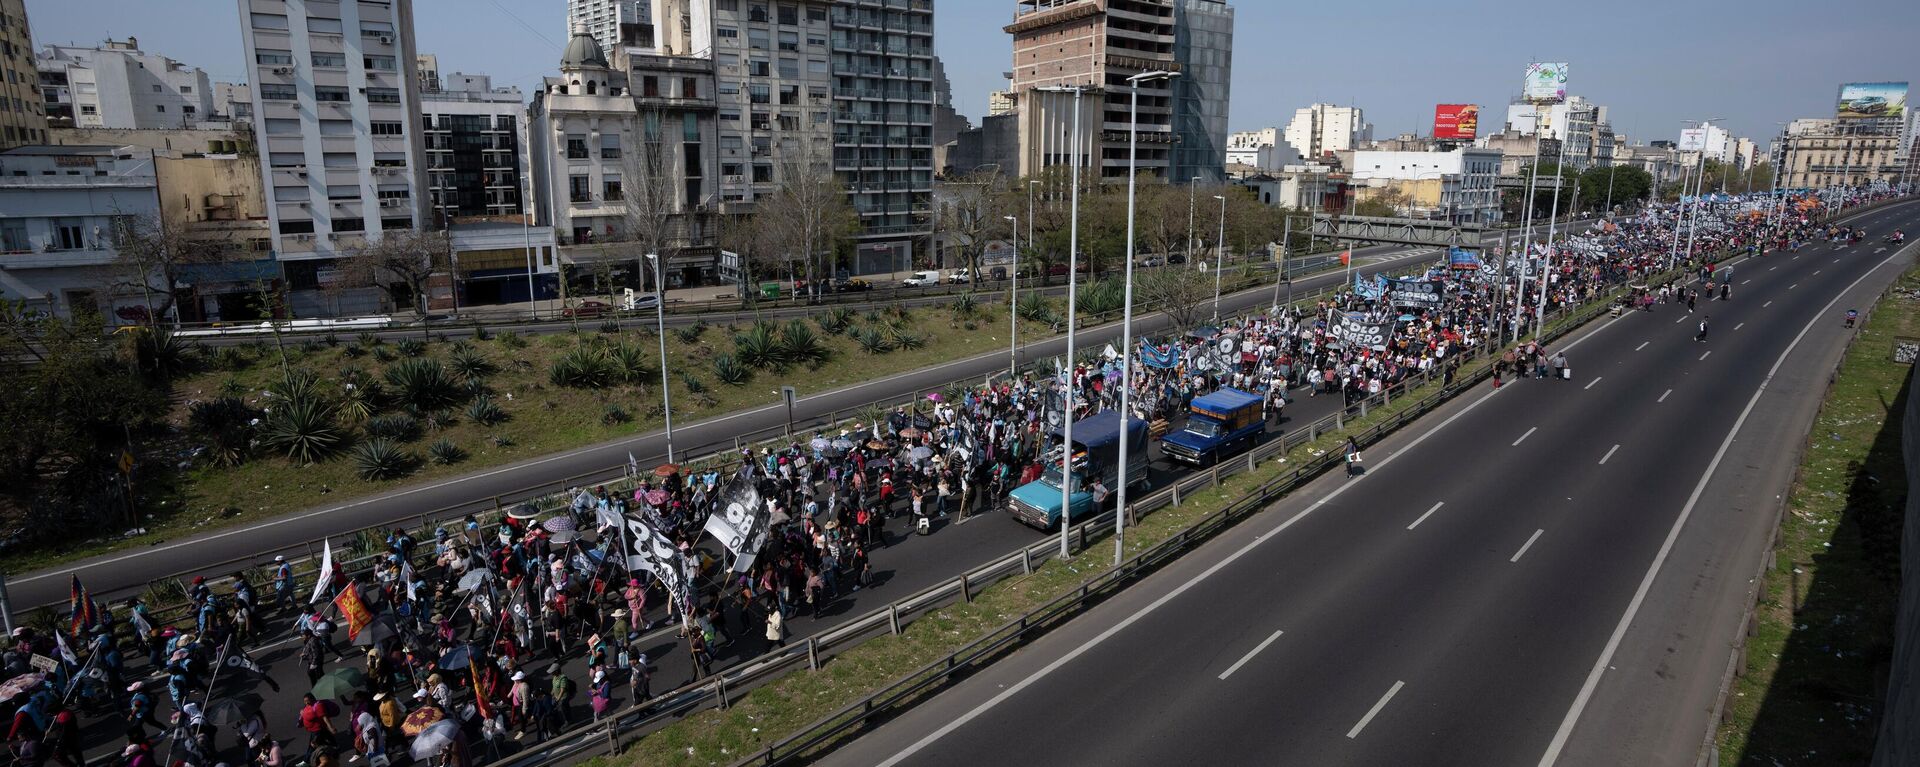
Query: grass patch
{"type": "Point", "coordinates": [1812, 683]}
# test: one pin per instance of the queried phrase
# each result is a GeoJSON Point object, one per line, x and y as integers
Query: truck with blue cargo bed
{"type": "Point", "coordinates": [1096, 457]}
{"type": "Point", "coordinates": [1219, 425]}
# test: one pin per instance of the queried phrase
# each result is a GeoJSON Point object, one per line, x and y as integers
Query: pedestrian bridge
{"type": "Point", "coordinates": [1400, 231]}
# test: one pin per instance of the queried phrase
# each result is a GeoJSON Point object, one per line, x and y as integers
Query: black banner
{"type": "Point", "coordinates": [1416, 294]}
{"type": "Point", "coordinates": [1354, 329]}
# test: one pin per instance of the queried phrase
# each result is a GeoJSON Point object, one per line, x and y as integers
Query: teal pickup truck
{"type": "Point", "coordinates": [1096, 456]}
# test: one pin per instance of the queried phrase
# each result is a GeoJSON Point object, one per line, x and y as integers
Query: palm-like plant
{"type": "Point", "coordinates": [302, 430]}
{"type": "Point", "coordinates": [225, 427]}
{"type": "Point", "coordinates": [757, 348]}
{"type": "Point", "coordinates": [583, 368]}
{"type": "Point", "coordinates": [471, 364]}
{"type": "Point", "coordinates": [485, 412]}
{"type": "Point", "coordinates": [730, 372]}
{"type": "Point", "coordinates": [379, 459]}
{"type": "Point", "coordinates": [397, 427]}
{"type": "Point", "coordinates": [423, 384]}
{"type": "Point", "coordinates": [835, 320]}
{"type": "Point", "coordinates": [446, 453]}
{"type": "Point", "coordinates": [873, 341]}
{"type": "Point", "coordinates": [799, 344]}
{"type": "Point", "coordinates": [632, 363]}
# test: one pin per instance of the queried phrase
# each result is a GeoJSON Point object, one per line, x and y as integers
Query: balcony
{"type": "Point", "coordinates": [76, 182]}
{"type": "Point", "coordinates": [55, 259]}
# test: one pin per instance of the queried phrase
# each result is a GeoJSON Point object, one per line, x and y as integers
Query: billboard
{"type": "Point", "coordinates": [1456, 121]}
{"type": "Point", "coordinates": [1858, 100]}
{"type": "Point", "coordinates": [1693, 140]}
{"type": "Point", "coordinates": [1546, 82]}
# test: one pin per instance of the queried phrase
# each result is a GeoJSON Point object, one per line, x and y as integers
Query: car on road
{"type": "Point", "coordinates": [959, 276]}
{"type": "Point", "coordinates": [1176, 258]}
{"type": "Point", "coordinates": [643, 302]}
{"type": "Point", "coordinates": [922, 279]}
{"type": "Point", "coordinates": [588, 308]}
{"type": "Point", "coordinates": [1152, 261]}
{"type": "Point", "coordinates": [851, 285]}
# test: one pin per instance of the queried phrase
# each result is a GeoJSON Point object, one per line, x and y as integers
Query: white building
{"type": "Point", "coordinates": [336, 106]}
{"type": "Point", "coordinates": [1579, 125]}
{"type": "Point", "coordinates": [1259, 151]}
{"type": "Point", "coordinates": [233, 103]}
{"type": "Point", "coordinates": [58, 212]}
{"type": "Point", "coordinates": [119, 86]}
{"type": "Point", "coordinates": [1460, 185]}
{"type": "Point", "coordinates": [604, 18]}
{"type": "Point", "coordinates": [1298, 187]}
{"type": "Point", "coordinates": [1322, 129]}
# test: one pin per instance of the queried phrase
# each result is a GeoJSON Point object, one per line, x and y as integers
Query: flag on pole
{"type": "Point", "coordinates": [480, 704]}
{"type": "Point", "coordinates": [633, 465]}
{"type": "Point", "coordinates": [1346, 257]}
{"type": "Point", "coordinates": [354, 610]}
{"type": "Point", "coordinates": [326, 572]}
{"type": "Point", "coordinates": [80, 606]}
{"type": "Point", "coordinates": [66, 652]}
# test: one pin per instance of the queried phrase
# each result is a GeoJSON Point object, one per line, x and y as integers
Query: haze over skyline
{"type": "Point", "coordinates": [1752, 63]}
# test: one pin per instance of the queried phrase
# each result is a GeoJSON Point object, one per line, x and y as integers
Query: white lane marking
{"type": "Point", "coordinates": [1771, 268]}
{"type": "Point", "coordinates": [1527, 545]}
{"type": "Point", "coordinates": [1663, 395]}
{"type": "Point", "coordinates": [1423, 517]}
{"type": "Point", "coordinates": [1767, 304]}
{"type": "Point", "coordinates": [1249, 656]}
{"type": "Point", "coordinates": [1743, 282]}
{"type": "Point", "coordinates": [1643, 345]}
{"type": "Point", "coordinates": [1375, 711]}
{"type": "Point", "coordinates": [1703, 357]}
{"type": "Point", "coordinates": [1524, 437]}
{"type": "Point", "coordinates": [1739, 326]}
{"type": "Point", "coordinates": [1590, 384]}
{"type": "Point", "coordinates": [1682, 318]}
{"type": "Point", "coordinates": [1580, 701]}
{"type": "Point", "coordinates": [1817, 271]}
{"type": "Point", "coordinates": [1836, 260]}
{"type": "Point", "coordinates": [1610, 451]}
{"type": "Point", "coordinates": [1795, 285]}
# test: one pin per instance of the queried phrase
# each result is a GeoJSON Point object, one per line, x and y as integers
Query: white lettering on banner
{"type": "Point", "coordinates": [656, 554]}
{"type": "Point", "coordinates": [1353, 329]}
{"type": "Point", "coordinates": [740, 523]}
{"type": "Point", "coordinates": [1420, 294]}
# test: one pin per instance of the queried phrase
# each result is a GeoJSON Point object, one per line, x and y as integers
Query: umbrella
{"type": "Point", "coordinates": [230, 712]}
{"type": "Point", "coordinates": [936, 396]}
{"type": "Point", "coordinates": [472, 580]}
{"type": "Point", "coordinates": [920, 453]}
{"type": "Point", "coordinates": [524, 511]}
{"type": "Point", "coordinates": [434, 739]}
{"type": "Point", "coordinates": [843, 444]}
{"type": "Point", "coordinates": [20, 684]}
{"type": "Point", "coordinates": [819, 444]}
{"type": "Point", "coordinates": [563, 537]}
{"type": "Point", "coordinates": [1405, 318]}
{"type": "Point", "coordinates": [666, 470]}
{"type": "Point", "coordinates": [456, 658]}
{"type": "Point", "coordinates": [910, 433]}
{"type": "Point", "coordinates": [379, 630]}
{"type": "Point", "coordinates": [876, 445]}
{"type": "Point", "coordinates": [418, 721]}
{"type": "Point", "coordinates": [656, 497]}
{"type": "Point", "coordinates": [339, 682]}
{"type": "Point", "coordinates": [559, 524]}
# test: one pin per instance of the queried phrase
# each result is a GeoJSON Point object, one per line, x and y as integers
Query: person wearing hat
{"type": "Point", "coordinates": [563, 691]}
{"type": "Point", "coordinates": [283, 583]}
{"type": "Point", "coordinates": [520, 703]}
{"type": "Point", "coordinates": [391, 713]}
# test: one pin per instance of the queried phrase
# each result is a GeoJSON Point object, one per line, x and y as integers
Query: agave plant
{"type": "Point", "coordinates": [964, 306]}
{"type": "Point", "coordinates": [693, 384]}
{"type": "Point", "coordinates": [836, 320]}
{"type": "Point", "coordinates": [225, 427]}
{"type": "Point", "coordinates": [446, 453]}
{"type": "Point", "coordinates": [485, 412]}
{"type": "Point", "coordinates": [298, 385]}
{"type": "Point", "coordinates": [730, 372]}
{"type": "Point", "coordinates": [632, 363]}
{"type": "Point", "coordinates": [412, 347]}
{"type": "Point", "coordinates": [872, 341]}
{"type": "Point", "coordinates": [906, 339]}
{"type": "Point", "coordinates": [379, 459]}
{"type": "Point", "coordinates": [368, 339]}
{"type": "Point", "coordinates": [614, 415]}
{"type": "Point", "coordinates": [397, 427]}
{"type": "Point", "coordinates": [302, 430]}
{"type": "Point", "coordinates": [799, 344]}
{"type": "Point", "coordinates": [757, 347]}
{"type": "Point", "coordinates": [583, 368]}
{"type": "Point", "coordinates": [1101, 297]}
{"type": "Point", "coordinates": [424, 384]}
{"type": "Point", "coordinates": [510, 340]}
{"type": "Point", "coordinates": [691, 333]}
{"type": "Point", "coordinates": [161, 355]}
{"type": "Point", "coordinates": [470, 364]}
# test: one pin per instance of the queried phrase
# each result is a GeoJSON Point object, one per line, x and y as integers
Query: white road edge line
{"type": "Point", "coordinates": [1249, 656]}
{"type": "Point", "coordinates": [1643, 345]}
{"type": "Point", "coordinates": [1560, 737]}
{"type": "Point", "coordinates": [1767, 304]}
{"type": "Point", "coordinates": [1610, 451]}
{"type": "Point", "coordinates": [1523, 437]}
{"type": "Point", "coordinates": [1528, 545]}
{"type": "Point", "coordinates": [1739, 326]}
{"type": "Point", "coordinates": [1591, 383]}
{"type": "Point", "coordinates": [1423, 517]}
{"type": "Point", "coordinates": [1375, 711]}
{"type": "Point", "coordinates": [1663, 395]}
{"type": "Point", "coordinates": [1703, 357]}
{"type": "Point", "coordinates": [1682, 318]}
{"type": "Point", "coordinates": [1795, 285]}
{"type": "Point", "coordinates": [1743, 282]}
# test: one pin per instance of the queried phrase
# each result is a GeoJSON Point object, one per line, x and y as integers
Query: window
{"type": "Point", "coordinates": [269, 21]}
{"type": "Point", "coordinates": [349, 224]}
{"type": "Point", "coordinates": [277, 92]}
{"type": "Point", "coordinates": [186, 89]}
{"type": "Point", "coordinates": [383, 95]}
{"type": "Point", "coordinates": [689, 88]}
{"type": "Point", "coordinates": [89, 109]}
{"type": "Point", "coordinates": [789, 14]}
{"type": "Point", "coordinates": [385, 128]}
{"type": "Point", "coordinates": [343, 192]}
{"type": "Point", "coordinates": [375, 29]}
{"type": "Point", "coordinates": [576, 146]}
{"type": "Point", "coordinates": [612, 192]}
{"type": "Point", "coordinates": [340, 160]}
{"type": "Point", "coordinates": [757, 12]}
{"type": "Point", "coordinates": [727, 33]}
{"type": "Point", "coordinates": [610, 146]}
{"type": "Point", "coordinates": [282, 127]}
{"type": "Point", "coordinates": [159, 107]}
{"type": "Point", "coordinates": [816, 13]}
{"type": "Point", "coordinates": [650, 87]}
{"type": "Point", "coordinates": [757, 39]}
{"type": "Point", "coordinates": [323, 25]}
{"type": "Point", "coordinates": [690, 127]}
{"type": "Point", "coordinates": [816, 67]}
{"type": "Point", "coordinates": [789, 41]}
{"type": "Point", "coordinates": [789, 94]}
{"type": "Point", "coordinates": [336, 127]}
{"type": "Point", "coordinates": [789, 68]}
{"type": "Point", "coordinates": [286, 159]}
{"type": "Point", "coordinates": [13, 236]}
{"type": "Point", "coordinates": [728, 88]}
{"type": "Point", "coordinates": [579, 189]}
{"type": "Point", "coordinates": [290, 194]}
{"type": "Point", "coordinates": [396, 222]}
{"type": "Point", "coordinates": [729, 6]}
{"type": "Point", "coordinates": [296, 227]}
{"type": "Point", "coordinates": [156, 88]}
{"type": "Point", "coordinates": [69, 234]}
{"type": "Point", "coordinates": [379, 63]}
{"type": "Point", "coordinates": [757, 94]}
{"type": "Point", "coordinates": [330, 94]}
{"type": "Point", "coordinates": [690, 152]}
{"type": "Point", "coordinates": [762, 174]}
{"type": "Point", "coordinates": [759, 68]}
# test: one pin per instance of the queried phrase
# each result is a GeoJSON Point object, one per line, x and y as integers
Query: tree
{"type": "Point", "coordinates": [1620, 183]}
{"type": "Point", "coordinates": [155, 255]}
{"type": "Point", "coordinates": [973, 212]}
{"type": "Point", "coordinates": [406, 255]}
{"type": "Point", "coordinates": [1182, 293]}
{"type": "Point", "coordinates": [651, 201]}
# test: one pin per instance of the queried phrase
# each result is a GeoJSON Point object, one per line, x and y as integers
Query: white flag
{"type": "Point", "coordinates": [326, 572]}
{"type": "Point", "coordinates": [633, 465]}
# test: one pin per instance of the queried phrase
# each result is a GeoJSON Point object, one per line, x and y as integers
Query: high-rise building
{"type": "Point", "coordinates": [1097, 45]}
{"type": "Point", "coordinates": [233, 103]}
{"type": "Point", "coordinates": [772, 66]}
{"type": "Point", "coordinates": [1580, 125]}
{"type": "Point", "coordinates": [1203, 48]}
{"type": "Point", "coordinates": [336, 105]}
{"type": "Point", "coordinates": [23, 116]}
{"type": "Point", "coordinates": [473, 133]}
{"type": "Point", "coordinates": [1839, 155]}
{"type": "Point", "coordinates": [1258, 151]}
{"type": "Point", "coordinates": [117, 85]}
{"type": "Point", "coordinates": [605, 19]}
{"type": "Point", "coordinates": [1323, 129]}
{"type": "Point", "coordinates": [883, 119]}
{"type": "Point", "coordinates": [426, 66]}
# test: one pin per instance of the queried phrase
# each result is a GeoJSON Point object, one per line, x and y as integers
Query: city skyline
{"type": "Point", "coordinates": [518, 45]}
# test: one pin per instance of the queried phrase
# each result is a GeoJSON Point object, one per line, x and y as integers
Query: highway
{"type": "Point", "coordinates": [1548, 573]}
{"type": "Point", "coordinates": [215, 553]}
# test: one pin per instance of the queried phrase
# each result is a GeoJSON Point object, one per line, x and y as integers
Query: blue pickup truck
{"type": "Point", "coordinates": [1096, 456]}
{"type": "Point", "coordinates": [1219, 425]}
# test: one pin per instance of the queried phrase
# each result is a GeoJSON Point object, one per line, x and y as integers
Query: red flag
{"type": "Point", "coordinates": [80, 607]}
{"type": "Point", "coordinates": [1346, 257]}
{"type": "Point", "coordinates": [354, 610]}
{"type": "Point", "coordinates": [480, 691]}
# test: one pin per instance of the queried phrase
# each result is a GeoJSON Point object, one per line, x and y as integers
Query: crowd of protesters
{"type": "Point", "coordinates": [451, 649]}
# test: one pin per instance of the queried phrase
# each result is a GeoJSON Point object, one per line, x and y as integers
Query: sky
{"type": "Point", "coordinates": [1654, 63]}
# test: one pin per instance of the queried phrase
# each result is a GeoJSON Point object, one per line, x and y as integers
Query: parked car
{"type": "Point", "coordinates": [960, 276]}
{"type": "Point", "coordinates": [1152, 261]}
{"type": "Point", "coordinates": [588, 308]}
{"type": "Point", "coordinates": [922, 279]}
{"type": "Point", "coordinates": [852, 285]}
{"type": "Point", "coordinates": [997, 273]}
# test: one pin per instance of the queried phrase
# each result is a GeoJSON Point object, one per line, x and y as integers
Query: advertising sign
{"type": "Point", "coordinates": [1546, 82]}
{"type": "Point", "coordinates": [1355, 329]}
{"type": "Point", "coordinates": [1415, 294]}
{"type": "Point", "coordinates": [1456, 121]}
{"type": "Point", "coordinates": [1860, 100]}
{"type": "Point", "coordinates": [1693, 140]}
{"type": "Point", "coordinates": [1463, 260]}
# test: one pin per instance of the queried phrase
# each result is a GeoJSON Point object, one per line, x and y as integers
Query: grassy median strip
{"type": "Point", "coordinates": [1812, 687]}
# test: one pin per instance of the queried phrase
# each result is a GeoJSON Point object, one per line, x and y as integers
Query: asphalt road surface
{"type": "Point", "coordinates": [215, 553]}
{"type": "Point", "coordinates": [1548, 573]}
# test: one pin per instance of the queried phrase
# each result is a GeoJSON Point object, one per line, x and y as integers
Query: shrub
{"type": "Point", "coordinates": [799, 344]}
{"type": "Point", "coordinates": [632, 363]}
{"type": "Point", "coordinates": [511, 340]}
{"type": "Point", "coordinates": [485, 412]}
{"type": "Point", "coordinates": [411, 347]}
{"type": "Point", "coordinates": [1101, 297]}
{"type": "Point", "coordinates": [441, 420]}
{"type": "Point", "coordinates": [232, 387]}
{"type": "Point", "coordinates": [446, 453]}
{"type": "Point", "coordinates": [359, 400]}
{"type": "Point", "coordinates": [232, 358]}
{"type": "Point", "coordinates": [331, 338]}
{"type": "Point", "coordinates": [424, 384]}
{"type": "Point", "coordinates": [379, 459]}
{"type": "Point", "coordinates": [1036, 308]}
{"type": "Point", "coordinates": [298, 385]}
{"type": "Point", "coordinates": [583, 368]}
{"type": "Point", "coordinates": [368, 339]}
{"type": "Point", "coordinates": [610, 327]}
{"type": "Point", "coordinates": [304, 431]}
{"type": "Point", "coordinates": [757, 348]}
{"type": "Point", "coordinates": [481, 333]}
{"type": "Point", "coordinates": [872, 341]}
{"type": "Point", "coordinates": [693, 384]}
{"type": "Point", "coordinates": [397, 427]}
{"type": "Point", "coordinates": [614, 415]}
{"type": "Point", "coordinates": [383, 354]}
{"type": "Point", "coordinates": [691, 333]}
{"type": "Point", "coordinates": [471, 364]}
{"type": "Point", "coordinates": [729, 371]}
{"type": "Point", "coordinates": [161, 355]}
{"type": "Point", "coordinates": [836, 320]}
{"type": "Point", "coordinates": [353, 352]}
{"type": "Point", "coordinates": [965, 306]}
{"type": "Point", "coordinates": [500, 440]}
{"type": "Point", "coordinates": [906, 339]}
{"type": "Point", "coordinates": [225, 427]}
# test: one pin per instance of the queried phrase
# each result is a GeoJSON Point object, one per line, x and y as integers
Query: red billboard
{"type": "Point", "coordinates": [1456, 121]}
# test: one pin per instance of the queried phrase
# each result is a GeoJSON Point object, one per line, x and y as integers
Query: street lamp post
{"type": "Point", "coordinates": [1073, 264]}
{"type": "Point", "coordinates": [1193, 188]}
{"type": "Point", "coordinates": [1013, 305]}
{"type": "Point", "coordinates": [1219, 256]}
{"type": "Point", "coordinates": [660, 310]}
{"type": "Point", "coordinates": [1126, 313]}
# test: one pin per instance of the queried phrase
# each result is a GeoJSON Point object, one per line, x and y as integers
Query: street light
{"type": "Point", "coordinates": [1219, 256]}
{"type": "Point", "coordinates": [660, 309]}
{"type": "Point", "coordinates": [1693, 221]}
{"type": "Point", "coordinates": [1073, 255]}
{"type": "Point", "coordinates": [1013, 305]}
{"type": "Point", "coordinates": [1126, 312]}
{"type": "Point", "coordinates": [1193, 188]}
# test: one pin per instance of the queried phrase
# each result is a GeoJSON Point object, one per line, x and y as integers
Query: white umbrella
{"type": "Point", "coordinates": [472, 580]}
{"type": "Point", "coordinates": [431, 741]}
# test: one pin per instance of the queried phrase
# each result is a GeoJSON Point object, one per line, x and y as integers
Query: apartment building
{"type": "Point", "coordinates": [473, 133]}
{"type": "Point", "coordinates": [1203, 48]}
{"type": "Point", "coordinates": [60, 207]}
{"type": "Point", "coordinates": [1459, 185]}
{"type": "Point", "coordinates": [1319, 130]}
{"type": "Point", "coordinates": [1097, 45]}
{"type": "Point", "coordinates": [336, 105]}
{"type": "Point", "coordinates": [23, 118]}
{"type": "Point", "coordinates": [117, 85]}
{"type": "Point", "coordinates": [606, 19]}
{"type": "Point", "coordinates": [1839, 154]}
{"type": "Point", "coordinates": [883, 88]}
